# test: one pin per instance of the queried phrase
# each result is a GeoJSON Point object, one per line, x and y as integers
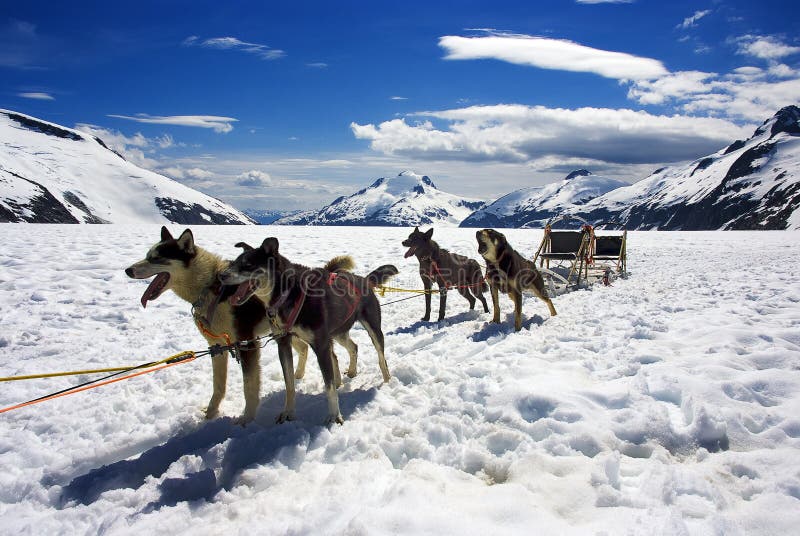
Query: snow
{"type": "Point", "coordinates": [79, 167]}
{"type": "Point", "coordinates": [668, 403]}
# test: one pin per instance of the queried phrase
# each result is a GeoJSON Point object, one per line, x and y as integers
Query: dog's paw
{"type": "Point", "coordinates": [284, 416]}
{"type": "Point", "coordinates": [243, 420]}
{"type": "Point", "coordinates": [334, 419]}
{"type": "Point", "coordinates": [426, 318]}
{"type": "Point", "coordinates": [351, 373]}
{"type": "Point", "coordinates": [211, 413]}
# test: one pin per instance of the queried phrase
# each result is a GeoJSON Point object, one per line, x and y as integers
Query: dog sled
{"type": "Point", "coordinates": [581, 258]}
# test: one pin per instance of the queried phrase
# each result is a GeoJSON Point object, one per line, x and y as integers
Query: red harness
{"type": "Point", "coordinates": [332, 278]}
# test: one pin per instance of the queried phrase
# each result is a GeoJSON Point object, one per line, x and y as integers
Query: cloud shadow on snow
{"type": "Point", "coordinates": [256, 444]}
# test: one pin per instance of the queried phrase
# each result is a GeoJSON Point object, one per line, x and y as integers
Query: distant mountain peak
{"type": "Point", "coordinates": [787, 120]}
{"type": "Point", "coordinates": [405, 199]}
{"type": "Point", "coordinates": [578, 173]}
{"type": "Point", "coordinates": [534, 206]}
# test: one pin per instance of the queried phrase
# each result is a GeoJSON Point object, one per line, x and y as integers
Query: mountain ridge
{"type": "Point", "coordinates": [53, 174]}
{"type": "Point", "coordinates": [407, 199]}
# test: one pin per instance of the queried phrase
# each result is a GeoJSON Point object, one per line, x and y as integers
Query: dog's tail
{"type": "Point", "coordinates": [381, 275]}
{"type": "Point", "coordinates": [342, 263]}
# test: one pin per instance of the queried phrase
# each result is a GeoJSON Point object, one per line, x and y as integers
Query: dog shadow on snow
{"type": "Point", "coordinates": [244, 447]}
{"type": "Point", "coordinates": [447, 321]}
{"type": "Point", "coordinates": [506, 327]}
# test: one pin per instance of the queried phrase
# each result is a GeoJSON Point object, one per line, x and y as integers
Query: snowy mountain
{"type": "Point", "coordinates": [266, 217]}
{"type": "Point", "coordinates": [53, 174]}
{"type": "Point", "coordinates": [751, 184]}
{"type": "Point", "coordinates": [533, 207]}
{"type": "Point", "coordinates": [405, 200]}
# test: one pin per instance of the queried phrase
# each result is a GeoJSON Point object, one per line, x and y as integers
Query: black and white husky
{"type": "Point", "coordinates": [315, 305]}
{"type": "Point", "coordinates": [192, 273]}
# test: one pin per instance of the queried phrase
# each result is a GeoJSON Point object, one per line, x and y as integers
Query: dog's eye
{"type": "Point", "coordinates": [156, 260]}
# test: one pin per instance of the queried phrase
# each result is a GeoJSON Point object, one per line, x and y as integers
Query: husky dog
{"type": "Point", "coordinates": [447, 270]}
{"type": "Point", "coordinates": [312, 304]}
{"type": "Point", "coordinates": [507, 271]}
{"type": "Point", "coordinates": [193, 274]}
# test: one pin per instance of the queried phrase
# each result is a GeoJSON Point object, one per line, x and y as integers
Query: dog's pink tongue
{"type": "Point", "coordinates": [410, 252]}
{"type": "Point", "coordinates": [242, 292]}
{"type": "Point", "coordinates": [155, 287]}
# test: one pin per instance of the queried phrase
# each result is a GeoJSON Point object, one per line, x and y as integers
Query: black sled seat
{"type": "Point", "coordinates": [612, 248]}
{"type": "Point", "coordinates": [573, 247]}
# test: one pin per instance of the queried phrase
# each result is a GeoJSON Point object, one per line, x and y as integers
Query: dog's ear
{"type": "Point", "coordinates": [245, 246]}
{"type": "Point", "coordinates": [270, 245]}
{"type": "Point", "coordinates": [416, 229]}
{"type": "Point", "coordinates": [186, 242]}
{"type": "Point", "coordinates": [429, 233]}
{"type": "Point", "coordinates": [165, 234]}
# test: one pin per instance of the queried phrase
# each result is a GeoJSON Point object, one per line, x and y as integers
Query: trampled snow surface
{"type": "Point", "coordinates": [668, 403]}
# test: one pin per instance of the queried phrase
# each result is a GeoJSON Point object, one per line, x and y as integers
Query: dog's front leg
{"type": "Point", "coordinates": [495, 303]}
{"type": "Point", "coordinates": [219, 366]}
{"type": "Point", "coordinates": [516, 297]}
{"type": "Point", "coordinates": [287, 366]}
{"type": "Point", "coordinates": [325, 358]}
{"type": "Point", "coordinates": [426, 283]}
{"type": "Point", "coordinates": [442, 300]}
{"type": "Point", "coordinates": [251, 376]}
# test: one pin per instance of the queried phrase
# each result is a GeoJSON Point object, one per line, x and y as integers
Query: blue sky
{"type": "Point", "coordinates": [285, 106]}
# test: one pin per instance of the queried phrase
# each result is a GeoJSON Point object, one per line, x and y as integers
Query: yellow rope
{"type": "Point", "coordinates": [92, 371]}
{"type": "Point", "coordinates": [383, 290]}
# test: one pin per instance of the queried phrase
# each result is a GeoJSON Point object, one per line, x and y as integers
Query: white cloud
{"type": "Point", "coordinates": [218, 124]}
{"type": "Point", "coordinates": [232, 43]}
{"type": "Point", "coordinates": [547, 53]}
{"type": "Point", "coordinates": [254, 178]}
{"type": "Point", "coordinates": [670, 86]}
{"type": "Point", "coordinates": [517, 133]}
{"type": "Point", "coordinates": [317, 65]}
{"type": "Point", "coordinates": [767, 47]}
{"type": "Point", "coordinates": [132, 148]}
{"type": "Point", "coordinates": [36, 95]}
{"type": "Point", "coordinates": [396, 97]}
{"type": "Point", "coordinates": [747, 93]}
{"type": "Point", "coordinates": [690, 22]}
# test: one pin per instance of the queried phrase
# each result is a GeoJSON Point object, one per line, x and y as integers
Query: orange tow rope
{"type": "Point", "coordinates": [189, 356]}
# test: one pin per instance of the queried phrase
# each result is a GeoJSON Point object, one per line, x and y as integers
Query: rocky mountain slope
{"type": "Point", "coordinates": [751, 184]}
{"type": "Point", "coordinates": [54, 174]}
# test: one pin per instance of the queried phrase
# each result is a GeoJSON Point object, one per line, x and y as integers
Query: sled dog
{"type": "Point", "coordinates": [507, 271]}
{"type": "Point", "coordinates": [192, 273]}
{"type": "Point", "coordinates": [313, 304]}
{"type": "Point", "coordinates": [448, 270]}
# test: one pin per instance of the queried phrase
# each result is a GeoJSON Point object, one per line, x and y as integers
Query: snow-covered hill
{"type": "Point", "coordinates": [533, 207]}
{"type": "Point", "coordinates": [405, 200]}
{"type": "Point", "coordinates": [751, 184]}
{"type": "Point", "coordinates": [53, 174]}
